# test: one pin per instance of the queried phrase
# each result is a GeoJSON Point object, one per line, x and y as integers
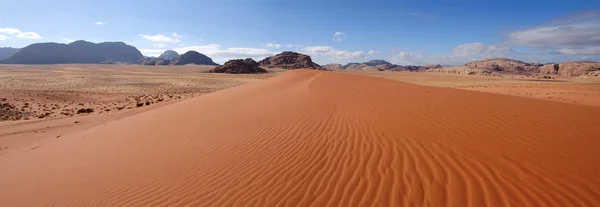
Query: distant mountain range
{"type": "Point", "coordinates": [75, 52]}
{"type": "Point", "coordinates": [379, 65]}
{"type": "Point", "coordinates": [6, 52]}
{"type": "Point", "coordinates": [170, 57]}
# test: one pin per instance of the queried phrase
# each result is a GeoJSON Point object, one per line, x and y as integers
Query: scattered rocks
{"type": "Point", "coordinates": [85, 111]}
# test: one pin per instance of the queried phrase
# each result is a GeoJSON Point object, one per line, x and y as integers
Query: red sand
{"type": "Point", "coordinates": [312, 138]}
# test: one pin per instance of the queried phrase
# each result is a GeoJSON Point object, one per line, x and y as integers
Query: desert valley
{"type": "Point", "coordinates": [102, 125]}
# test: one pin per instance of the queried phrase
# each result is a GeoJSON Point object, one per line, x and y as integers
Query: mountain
{"type": "Point", "coordinates": [382, 65]}
{"type": "Point", "coordinates": [76, 52]}
{"type": "Point", "coordinates": [377, 62]}
{"type": "Point", "coordinates": [333, 67]}
{"type": "Point", "coordinates": [289, 60]}
{"type": "Point", "coordinates": [504, 65]}
{"type": "Point", "coordinates": [169, 55]}
{"type": "Point", "coordinates": [192, 57]}
{"type": "Point", "coordinates": [239, 66]}
{"type": "Point", "coordinates": [6, 52]}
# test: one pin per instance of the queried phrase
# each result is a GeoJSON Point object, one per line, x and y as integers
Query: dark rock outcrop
{"type": "Point", "coordinates": [153, 61]}
{"type": "Point", "coordinates": [76, 52]}
{"type": "Point", "coordinates": [239, 66]}
{"type": "Point", "coordinates": [192, 57]}
{"type": "Point", "coordinates": [289, 60]}
{"type": "Point", "coordinates": [6, 52]}
{"type": "Point", "coordinates": [168, 55]}
{"type": "Point", "coordinates": [377, 62]}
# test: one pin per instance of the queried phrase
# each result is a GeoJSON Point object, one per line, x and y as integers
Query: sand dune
{"type": "Point", "coordinates": [312, 138]}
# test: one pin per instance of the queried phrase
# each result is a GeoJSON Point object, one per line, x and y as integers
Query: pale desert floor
{"type": "Point", "coordinates": [313, 138]}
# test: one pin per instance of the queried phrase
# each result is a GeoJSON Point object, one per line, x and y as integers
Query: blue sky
{"type": "Point", "coordinates": [402, 32]}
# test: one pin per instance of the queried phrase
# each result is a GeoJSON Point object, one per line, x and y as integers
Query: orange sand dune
{"type": "Point", "coordinates": [312, 138]}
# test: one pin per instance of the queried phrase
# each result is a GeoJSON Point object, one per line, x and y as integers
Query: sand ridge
{"type": "Point", "coordinates": [313, 138]}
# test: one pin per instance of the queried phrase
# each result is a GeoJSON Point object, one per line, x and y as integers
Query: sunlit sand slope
{"type": "Point", "coordinates": [312, 138]}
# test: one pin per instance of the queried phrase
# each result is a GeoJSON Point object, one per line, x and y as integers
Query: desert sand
{"type": "Point", "coordinates": [581, 91]}
{"type": "Point", "coordinates": [313, 138]}
{"type": "Point", "coordinates": [32, 92]}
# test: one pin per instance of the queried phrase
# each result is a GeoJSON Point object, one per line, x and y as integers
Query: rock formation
{"type": "Point", "coordinates": [505, 65]}
{"type": "Point", "coordinates": [192, 57]}
{"type": "Point", "coordinates": [76, 52]}
{"type": "Point", "coordinates": [153, 61]}
{"type": "Point", "coordinates": [549, 69]}
{"type": "Point", "coordinates": [6, 52]}
{"type": "Point", "coordinates": [239, 66]}
{"type": "Point", "coordinates": [289, 60]}
{"type": "Point", "coordinates": [382, 65]}
{"type": "Point", "coordinates": [578, 68]}
{"type": "Point", "coordinates": [168, 55]}
{"type": "Point", "coordinates": [333, 67]}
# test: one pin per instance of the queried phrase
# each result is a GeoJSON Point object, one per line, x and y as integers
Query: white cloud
{"type": "Point", "coordinates": [162, 38]}
{"type": "Point", "coordinates": [160, 45]}
{"type": "Point", "coordinates": [339, 36]}
{"type": "Point", "coordinates": [18, 34]}
{"type": "Point", "coordinates": [567, 35]}
{"type": "Point", "coordinates": [577, 34]}
{"type": "Point", "coordinates": [67, 40]}
{"type": "Point", "coordinates": [592, 50]}
{"type": "Point", "coordinates": [29, 35]}
{"type": "Point", "coordinates": [218, 53]}
{"type": "Point", "coordinates": [373, 52]}
{"type": "Point", "coordinates": [272, 45]}
{"type": "Point", "coordinates": [3, 37]}
{"type": "Point", "coordinates": [101, 23]}
{"type": "Point", "coordinates": [10, 31]}
{"type": "Point", "coordinates": [480, 49]}
{"type": "Point", "coordinates": [334, 54]}
{"type": "Point", "coordinates": [459, 55]}
{"type": "Point", "coordinates": [175, 35]}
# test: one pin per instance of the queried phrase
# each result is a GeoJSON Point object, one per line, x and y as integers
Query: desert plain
{"type": "Point", "coordinates": [124, 135]}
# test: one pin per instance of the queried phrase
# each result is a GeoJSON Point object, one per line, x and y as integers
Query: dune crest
{"type": "Point", "coordinates": [314, 138]}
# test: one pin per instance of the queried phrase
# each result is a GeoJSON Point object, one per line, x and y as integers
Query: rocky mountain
{"type": "Point", "coordinates": [153, 61]}
{"type": "Point", "coordinates": [192, 57]}
{"type": "Point", "coordinates": [289, 60]}
{"type": "Point", "coordinates": [572, 69]}
{"type": "Point", "coordinates": [239, 66]}
{"type": "Point", "coordinates": [333, 67]}
{"type": "Point", "coordinates": [382, 65]}
{"type": "Point", "coordinates": [76, 52]}
{"type": "Point", "coordinates": [168, 55]}
{"type": "Point", "coordinates": [377, 62]}
{"type": "Point", "coordinates": [6, 52]}
{"type": "Point", "coordinates": [505, 65]}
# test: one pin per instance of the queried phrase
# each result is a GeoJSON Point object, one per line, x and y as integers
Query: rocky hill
{"type": "Point", "coordinates": [572, 69]}
{"type": "Point", "coordinates": [382, 65]}
{"type": "Point", "coordinates": [192, 57]}
{"type": "Point", "coordinates": [239, 66]}
{"type": "Point", "coordinates": [505, 65]}
{"type": "Point", "coordinates": [289, 60]}
{"type": "Point", "coordinates": [333, 67]}
{"type": "Point", "coordinates": [168, 55]}
{"type": "Point", "coordinates": [76, 52]}
{"type": "Point", "coordinates": [6, 52]}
